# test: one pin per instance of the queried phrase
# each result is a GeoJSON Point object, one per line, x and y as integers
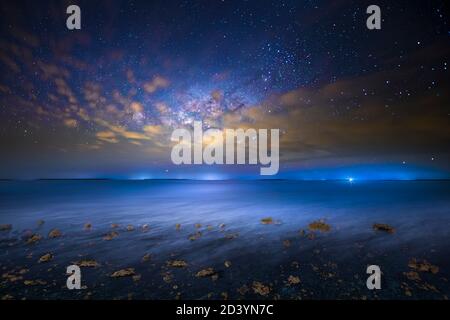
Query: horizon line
{"type": "Point", "coordinates": [230, 179]}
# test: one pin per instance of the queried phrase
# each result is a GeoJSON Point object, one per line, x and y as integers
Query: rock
{"type": "Point", "coordinates": [5, 227]}
{"type": "Point", "coordinates": [34, 282]}
{"type": "Point", "coordinates": [145, 228]}
{"type": "Point", "coordinates": [11, 277]}
{"type": "Point", "coordinates": [55, 233]}
{"type": "Point", "coordinates": [137, 277]}
{"type": "Point", "coordinates": [267, 220]}
{"type": "Point", "coordinates": [130, 228]}
{"type": "Point", "coordinates": [208, 272]}
{"type": "Point", "coordinates": [177, 226]}
{"type": "Point", "coordinates": [293, 280]}
{"type": "Point", "coordinates": [195, 236]}
{"type": "Point", "coordinates": [88, 226]}
{"type": "Point", "coordinates": [427, 287]}
{"type": "Point", "coordinates": [383, 227]}
{"type": "Point", "coordinates": [177, 263]}
{"type": "Point", "coordinates": [227, 264]}
{"type": "Point", "coordinates": [260, 288]}
{"type": "Point", "coordinates": [197, 225]}
{"type": "Point", "coordinates": [146, 257]}
{"type": "Point", "coordinates": [167, 277]}
{"type": "Point", "coordinates": [412, 275]}
{"type": "Point", "coordinates": [34, 238]}
{"type": "Point", "coordinates": [243, 290]}
{"type": "Point", "coordinates": [46, 258]}
{"type": "Point", "coordinates": [110, 236]}
{"type": "Point", "coordinates": [423, 266]}
{"type": "Point", "coordinates": [40, 223]}
{"type": "Point", "coordinates": [319, 225]}
{"type": "Point", "coordinates": [123, 273]}
{"type": "Point", "coordinates": [114, 225]}
{"type": "Point", "coordinates": [231, 236]}
{"type": "Point", "coordinates": [87, 263]}
{"type": "Point", "coordinates": [286, 243]}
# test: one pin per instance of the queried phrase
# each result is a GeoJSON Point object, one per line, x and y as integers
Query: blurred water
{"type": "Point", "coordinates": [419, 210]}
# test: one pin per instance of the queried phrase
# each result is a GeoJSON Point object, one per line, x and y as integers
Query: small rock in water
{"type": "Point", "coordinates": [55, 233]}
{"type": "Point", "coordinates": [208, 272]}
{"type": "Point", "coordinates": [87, 263]}
{"type": "Point", "coordinates": [137, 277]}
{"type": "Point", "coordinates": [11, 277]}
{"type": "Point", "coordinates": [177, 226]}
{"type": "Point", "coordinates": [227, 264]}
{"type": "Point", "coordinates": [286, 243]}
{"type": "Point", "coordinates": [267, 220]}
{"type": "Point", "coordinates": [130, 228]}
{"type": "Point", "coordinates": [34, 238]}
{"type": "Point", "coordinates": [40, 222]}
{"type": "Point", "coordinates": [34, 282]}
{"type": "Point", "coordinates": [231, 236]}
{"type": "Point", "coordinates": [146, 257]}
{"type": "Point", "coordinates": [110, 236]}
{"type": "Point", "coordinates": [243, 290]}
{"type": "Point", "coordinates": [46, 257]}
{"type": "Point", "coordinates": [123, 273]}
{"type": "Point", "coordinates": [177, 263]}
{"type": "Point", "coordinates": [412, 275]}
{"type": "Point", "coordinates": [292, 280]}
{"type": "Point", "coordinates": [88, 226]}
{"type": "Point", "coordinates": [260, 288]}
{"type": "Point", "coordinates": [145, 228]}
{"type": "Point", "coordinates": [383, 227]}
{"type": "Point", "coordinates": [319, 225]}
{"type": "Point", "coordinates": [195, 236]}
{"type": "Point", "coordinates": [5, 227]}
{"type": "Point", "coordinates": [423, 266]}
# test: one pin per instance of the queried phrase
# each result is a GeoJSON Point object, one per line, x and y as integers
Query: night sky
{"type": "Point", "coordinates": [101, 102]}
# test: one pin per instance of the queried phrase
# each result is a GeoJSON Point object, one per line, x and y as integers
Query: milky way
{"type": "Point", "coordinates": [102, 101]}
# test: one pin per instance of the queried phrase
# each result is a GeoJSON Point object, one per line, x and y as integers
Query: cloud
{"type": "Point", "coordinates": [158, 82]}
{"type": "Point", "coordinates": [162, 108]}
{"type": "Point", "coordinates": [71, 123]}
{"type": "Point", "coordinates": [107, 136]}
{"type": "Point", "coordinates": [153, 129]}
{"type": "Point", "coordinates": [354, 117]}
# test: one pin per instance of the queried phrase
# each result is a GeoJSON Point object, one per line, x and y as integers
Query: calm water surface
{"type": "Point", "coordinates": [329, 265]}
